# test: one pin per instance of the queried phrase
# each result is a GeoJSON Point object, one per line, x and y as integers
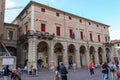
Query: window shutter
{"type": "Point", "coordinates": [42, 9]}
{"type": "Point", "coordinates": [91, 39]}
{"type": "Point", "coordinates": [98, 38]}
{"type": "Point", "coordinates": [57, 14]}
{"type": "Point", "coordinates": [58, 31]}
{"type": "Point", "coordinates": [106, 38]}
{"type": "Point", "coordinates": [81, 35]}
{"type": "Point", "coordinates": [43, 27]}
{"type": "Point", "coordinates": [70, 31]}
{"type": "Point", "coordinates": [70, 18]}
{"type": "Point", "coordinates": [80, 21]}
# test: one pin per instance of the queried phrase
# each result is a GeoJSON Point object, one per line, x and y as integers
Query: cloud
{"type": "Point", "coordinates": [52, 0]}
{"type": "Point", "coordinates": [10, 4]}
{"type": "Point", "coordinates": [46, 0]}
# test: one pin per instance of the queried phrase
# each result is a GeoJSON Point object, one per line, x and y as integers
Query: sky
{"type": "Point", "coordinates": [103, 11]}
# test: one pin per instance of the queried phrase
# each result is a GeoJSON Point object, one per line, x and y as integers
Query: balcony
{"type": "Point", "coordinates": [40, 35]}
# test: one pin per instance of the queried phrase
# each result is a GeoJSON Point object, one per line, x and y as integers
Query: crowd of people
{"type": "Point", "coordinates": [15, 74]}
{"type": "Point", "coordinates": [106, 68]}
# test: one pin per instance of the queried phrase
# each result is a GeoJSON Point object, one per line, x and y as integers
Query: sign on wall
{"type": "Point", "coordinates": [8, 61]}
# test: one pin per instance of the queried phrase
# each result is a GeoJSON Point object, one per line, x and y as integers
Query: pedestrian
{"type": "Point", "coordinates": [63, 71]}
{"type": "Point", "coordinates": [113, 70]}
{"type": "Point", "coordinates": [56, 77]}
{"type": "Point", "coordinates": [118, 73]}
{"type": "Point", "coordinates": [26, 69]}
{"type": "Point", "coordinates": [105, 71]}
{"type": "Point", "coordinates": [91, 68]}
{"type": "Point", "coordinates": [74, 67]}
{"type": "Point", "coordinates": [7, 73]}
{"type": "Point", "coordinates": [15, 75]}
{"type": "Point", "coordinates": [34, 71]}
{"type": "Point", "coordinates": [31, 70]}
{"type": "Point", "coordinates": [117, 63]}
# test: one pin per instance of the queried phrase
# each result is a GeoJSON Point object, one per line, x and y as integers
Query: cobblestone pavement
{"type": "Point", "coordinates": [80, 74]}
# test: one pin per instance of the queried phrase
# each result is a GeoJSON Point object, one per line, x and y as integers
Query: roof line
{"type": "Point", "coordinates": [33, 2]}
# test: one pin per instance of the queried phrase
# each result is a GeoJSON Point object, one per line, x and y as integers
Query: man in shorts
{"type": "Point", "coordinates": [105, 71]}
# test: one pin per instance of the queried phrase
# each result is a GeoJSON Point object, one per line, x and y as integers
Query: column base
{"type": "Point", "coordinates": [51, 65]}
{"type": "Point", "coordinates": [34, 63]}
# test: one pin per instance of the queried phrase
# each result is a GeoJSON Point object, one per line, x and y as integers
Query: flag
{"type": "Point", "coordinates": [73, 35]}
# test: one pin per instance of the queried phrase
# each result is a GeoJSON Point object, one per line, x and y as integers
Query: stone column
{"type": "Point", "coordinates": [96, 57]}
{"type": "Point", "coordinates": [77, 57]}
{"type": "Point", "coordinates": [104, 59]}
{"type": "Point", "coordinates": [65, 55]}
{"type": "Point", "coordinates": [87, 56]}
{"type": "Point", "coordinates": [51, 56]}
{"type": "Point", "coordinates": [32, 51]}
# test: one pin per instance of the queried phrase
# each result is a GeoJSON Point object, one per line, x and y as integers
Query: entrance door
{"type": "Point", "coordinates": [70, 61]}
{"type": "Point", "coordinates": [59, 59]}
{"type": "Point", "coordinates": [92, 58]}
{"type": "Point", "coordinates": [81, 61]}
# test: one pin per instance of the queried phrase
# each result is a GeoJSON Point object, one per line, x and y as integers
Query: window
{"type": "Point", "coordinates": [80, 21]}
{"type": "Point", "coordinates": [42, 9]}
{"type": "Point", "coordinates": [10, 35]}
{"type": "Point", "coordinates": [58, 31]}
{"type": "Point", "coordinates": [26, 28]}
{"type": "Point", "coordinates": [98, 38]}
{"type": "Point", "coordinates": [105, 38]}
{"type": "Point", "coordinates": [118, 45]}
{"type": "Point", "coordinates": [81, 35]}
{"type": "Point", "coordinates": [42, 27]}
{"type": "Point", "coordinates": [91, 37]}
{"type": "Point", "coordinates": [104, 27]}
{"type": "Point", "coordinates": [97, 25]}
{"type": "Point", "coordinates": [70, 18]}
{"type": "Point", "coordinates": [89, 23]}
{"type": "Point", "coordinates": [70, 32]}
{"type": "Point", "coordinates": [57, 14]}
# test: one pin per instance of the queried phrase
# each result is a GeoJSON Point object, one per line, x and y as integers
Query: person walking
{"type": "Point", "coordinates": [90, 68]}
{"type": "Point", "coordinates": [113, 70]}
{"type": "Point", "coordinates": [26, 69]}
{"type": "Point", "coordinates": [74, 67]}
{"type": "Point", "coordinates": [7, 73]}
{"type": "Point", "coordinates": [63, 71]}
{"type": "Point", "coordinates": [105, 71]}
{"type": "Point", "coordinates": [118, 73]}
{"type": "Point", "coordinates": [56, 77]}
{"type": "Point", "coordinates": [31, 70]}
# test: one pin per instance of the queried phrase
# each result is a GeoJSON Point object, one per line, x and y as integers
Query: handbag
{"type": "Point", "coordinates": [118, 74]}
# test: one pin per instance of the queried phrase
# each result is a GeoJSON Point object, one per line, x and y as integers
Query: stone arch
{"type": "Point", "coordinates": [42, 54]}
{"type": "Point", "coordinates": [92, 54]}
{"type": "Point", "coordinates": [108, 55]}
{"type": "Point", "coordinates": [82, 55]}
{"type": "Point", "coordinates": [24, 56]}
{"type": "Point", "coordinates": [100, 55]}
{"type": "Point", "coordinates": [71, 54]}
{"type": "Point", "coordinates": [58, 50]}
{"type": "Point", "coordinates": [12, 50]}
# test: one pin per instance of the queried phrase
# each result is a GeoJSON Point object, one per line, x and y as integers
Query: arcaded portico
{"type": "Point", "coordinates": [52, 52]}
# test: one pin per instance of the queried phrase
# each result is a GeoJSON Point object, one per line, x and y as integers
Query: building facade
{"type": "Point", "coordinates": [2, 8]}
{"type": "Point", "coordinates": [115, 44]}
{"type": "Point", "coordinates": [51, 35]}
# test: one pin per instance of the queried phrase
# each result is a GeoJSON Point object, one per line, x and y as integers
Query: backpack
{"type": "Point", "coordinates": [112, 69]}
